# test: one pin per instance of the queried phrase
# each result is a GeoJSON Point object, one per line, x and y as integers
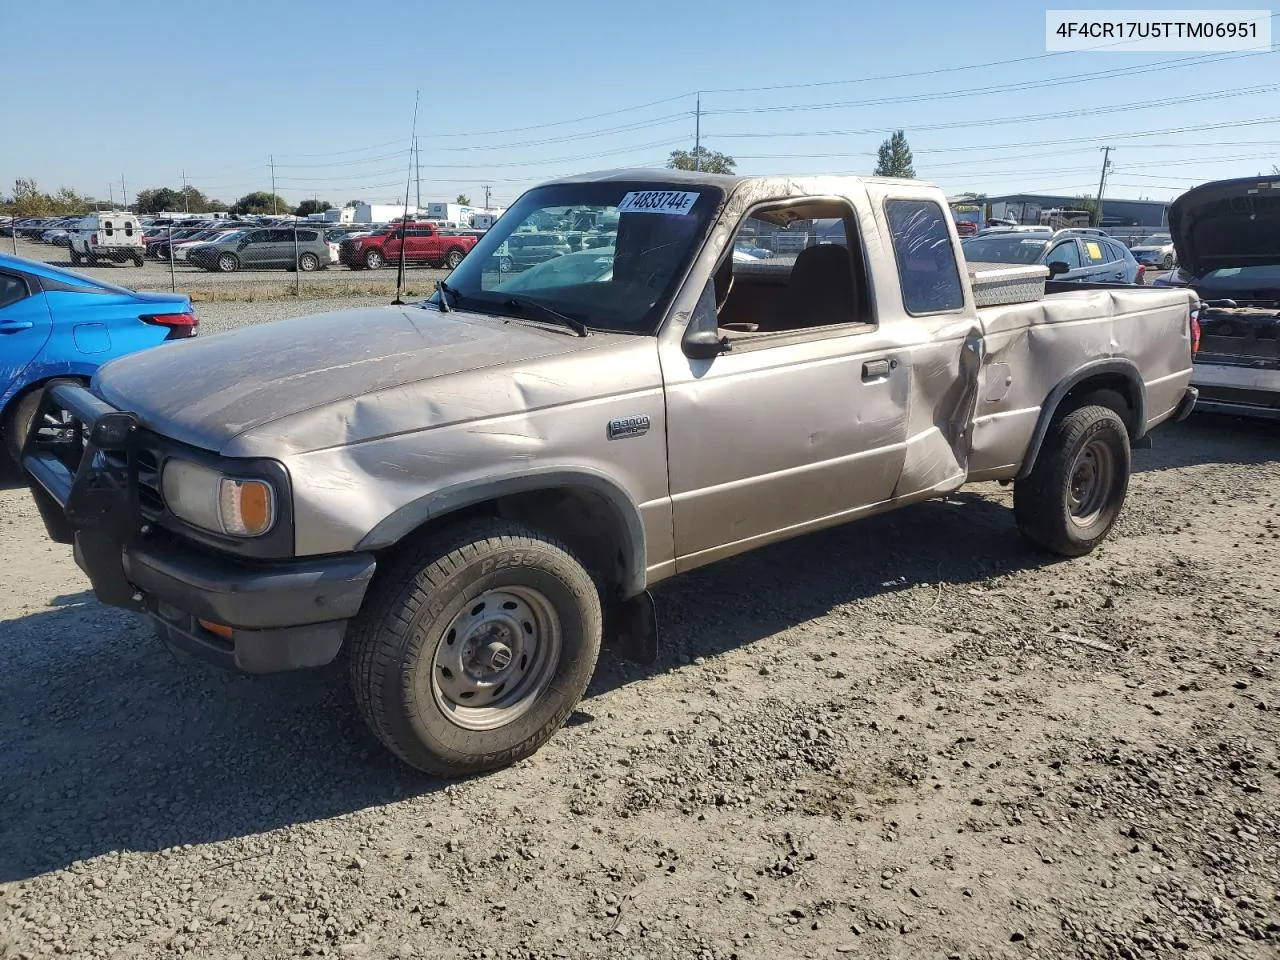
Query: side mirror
{"type": "Point", "coordinates": [1057, 267]}
{"type": "Point", "coordinates": [704, 344]}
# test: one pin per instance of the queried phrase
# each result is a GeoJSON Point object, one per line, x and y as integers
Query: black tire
{"type": "Point", "coordinates": [92, 258]}
{"type": "Point", "coordinates": [373, 259]}
{"type": "Point", "coordinates": [17, 421]}
{"type": "Point", "coordinates": [1077, 487]}
{"type": "Point", "coordinates": [137, 259]}
{"type": "Point", "coordinates": [453, 258]}
{"type": "Point", "coordinates": [432, 596]}
{"type": "Point", "coordinates": [227, 263]}
{"type": "Point", "coordinates": [308, 262]}
{"type": "Point", "coordinates": [75, 259]}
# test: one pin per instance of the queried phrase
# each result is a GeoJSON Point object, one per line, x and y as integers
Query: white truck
{"type": "Point", "coordinates": [107, 236]}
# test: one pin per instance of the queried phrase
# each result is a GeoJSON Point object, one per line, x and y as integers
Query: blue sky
{"type": "Point", "coordinates": [507, 88]}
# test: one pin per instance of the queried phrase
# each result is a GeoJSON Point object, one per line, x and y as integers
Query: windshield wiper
{"type": "Point", "coordinates": [573, 323]}
{"type": "Point", "coordinates": [446, 292]}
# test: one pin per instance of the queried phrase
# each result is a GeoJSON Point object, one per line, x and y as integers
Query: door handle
{"type": "Point", "coordinates": [14, 326]}
{"type": "Point", "coordinates": [877, 369]}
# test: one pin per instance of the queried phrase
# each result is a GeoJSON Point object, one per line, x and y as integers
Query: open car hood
{"type": "Point", "coordinates": [1228, 223]}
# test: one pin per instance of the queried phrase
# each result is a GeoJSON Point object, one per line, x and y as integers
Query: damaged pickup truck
{"type": "Point", "coordinates": [464, 495]}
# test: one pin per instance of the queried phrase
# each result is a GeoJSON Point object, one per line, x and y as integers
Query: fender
{"type": "Point", "coordinates": [452, 498]}
{"type": "Point", "coordinates": [1113, 365]}
{"type": "Point", "coordinates": [39, 372]}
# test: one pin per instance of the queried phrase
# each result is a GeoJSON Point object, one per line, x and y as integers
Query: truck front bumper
{"type": "Point", "coordinates": [252, 615]}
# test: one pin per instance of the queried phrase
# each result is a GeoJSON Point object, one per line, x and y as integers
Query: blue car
{"type": "Point", "coordinates": [58, 325]}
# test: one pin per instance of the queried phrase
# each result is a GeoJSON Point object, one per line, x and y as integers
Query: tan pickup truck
{"type": "Point", "coordinates": [464, 495]}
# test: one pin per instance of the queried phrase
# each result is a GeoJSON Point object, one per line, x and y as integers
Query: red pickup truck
{"type": "Point", "coordinates": [423, 243]}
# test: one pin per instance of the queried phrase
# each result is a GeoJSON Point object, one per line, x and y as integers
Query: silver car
{"type": "Point", "coordinates": [1069, 254]}
{"type": "Point", "coordinates": [1155, 251]}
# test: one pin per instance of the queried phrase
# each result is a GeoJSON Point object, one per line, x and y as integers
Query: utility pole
{"type": "Point", "coordinates": [124, 197]}
{"type": "Point", "coordinates": [271, 159]}
{"type": "Point", "coordinates": [486, 196]}
{"type": "Point", "coordinates": [1102, 181]}
{"type": "Point", "coordinates": [697, 134]}
{"type": "Point", "coordinates": [111, 195]}
{"type": "Point", "coordinates": [186, 201]}
{"type": "Point", "coordinates": [417, 166]}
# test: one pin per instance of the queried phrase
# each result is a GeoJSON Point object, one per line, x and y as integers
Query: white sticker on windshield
{"type": "Point", "coordinates": [658, 201]}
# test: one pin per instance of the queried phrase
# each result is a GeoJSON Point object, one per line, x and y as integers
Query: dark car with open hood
{"type": "Point", "coordinates": [1227, 236]}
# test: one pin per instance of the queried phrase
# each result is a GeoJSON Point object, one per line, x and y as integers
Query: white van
{"type": "Point", "coordinates": [107, 236]}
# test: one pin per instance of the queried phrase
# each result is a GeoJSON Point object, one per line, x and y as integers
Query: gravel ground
{"type": "Point", "coordinates": [909, 737]}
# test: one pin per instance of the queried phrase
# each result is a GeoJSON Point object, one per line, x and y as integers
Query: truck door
{"type": "Point", "coordinates": [25, 325]}
{"type": "Point", "coordinates": [802, 423]}
{"type": "Point", "coordinates": [422, 243]}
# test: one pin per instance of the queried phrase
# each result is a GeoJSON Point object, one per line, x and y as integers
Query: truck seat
{"type": "Point", "coordinates": [820, 289]}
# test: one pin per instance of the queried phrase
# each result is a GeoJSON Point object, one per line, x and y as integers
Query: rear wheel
{"type": "Point", "coordinates": [453, 258]}
{"type": "Point", "coordinates": [228, 263]}
{"type": "Point", "coordinates": [92, 258]}
{"type": "Point", "coordinates": [473, 649]}
{"type": "Point", "coordinates": [374, 260]}
{"type": "Point", "coordinates": [1076, 489]}
{"type": "Point", "coordinates": [75, 259]}
{"type": "Point", "coordinates": [137, 259]}
{"type": "Point", "coordinates": [308, 262]}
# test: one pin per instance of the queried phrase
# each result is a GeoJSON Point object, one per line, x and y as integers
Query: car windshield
{"type": "Point", "coordinates": [608, 253]}
{"type": "Point", "coordinates": [1157, 240]}
{"type": "Point", "coordinates": [1009, 248]}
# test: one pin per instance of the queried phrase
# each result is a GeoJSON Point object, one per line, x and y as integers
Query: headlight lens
{"type": "Point", "coordinates": [237, 506]}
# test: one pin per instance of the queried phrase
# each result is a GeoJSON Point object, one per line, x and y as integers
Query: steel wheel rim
{"type": "Point", "coordinates": [1092, 476]}
{"type": "Point", "coordinates": [496, 657]}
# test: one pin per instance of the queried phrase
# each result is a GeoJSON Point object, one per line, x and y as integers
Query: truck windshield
{"type": "Point", "coordinates": [607, 253]}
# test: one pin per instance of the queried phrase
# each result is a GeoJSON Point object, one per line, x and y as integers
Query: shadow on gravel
{"type": "Point", "coordinates": [1210, 438]}
{"type": "Point", "coordinates": [964, 538]}
{"type": "Point", "coordinates": [109, 743]}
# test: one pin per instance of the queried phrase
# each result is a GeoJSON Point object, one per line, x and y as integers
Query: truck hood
{"type": "Point", "coordinates": [209, 390]}
{"type": "Point", "coordinates": [1230, 223]}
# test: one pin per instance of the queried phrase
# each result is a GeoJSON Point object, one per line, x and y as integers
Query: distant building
{"type": "Point", "coordinates": [1027, 207]}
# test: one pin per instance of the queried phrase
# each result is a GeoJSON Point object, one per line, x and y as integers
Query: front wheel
{"type": "Point", "coordinates": [228, 263]}
{"type": "Point", "coordinates": [374, 260]}
{"type": "Point", "coordinates": [1167, 263]}
{"type": "Point", "coordinates": [472, 651]}
{"type": "Point", "coordinates": [453, 258]}
{"type": "Point", "coordinates": [1074, 493]}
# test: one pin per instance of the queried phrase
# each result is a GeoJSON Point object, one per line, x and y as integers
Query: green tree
{"type": "Point", "coordinates": [700, 158]}
{"type": "Point", "coordinates": [308, 207]}
{"type": "Point", "coordinates": [260, 202]}
{"type": "Point", "coordinates": [67, 201]}
{"type": "Point", "coordinates": [27, 200]}
{"type": "Point", "coordinates": [215, 206]}
{"type": "Point", "coordinates": [894, 158]}
{"type": "Point", "coordinates": [463, 199]}
{"type": "Point", "coordinates": [975, 197]}
{"type": "Point", "coordinates": [1089, 204]}
{"type": "Point", "coordinates": [158, 199]}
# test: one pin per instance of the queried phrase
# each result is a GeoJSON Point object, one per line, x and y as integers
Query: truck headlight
{"type": "Point", "coordinates": [237, 506]}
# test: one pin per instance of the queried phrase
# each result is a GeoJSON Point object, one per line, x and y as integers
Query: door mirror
{"type": "Point", "coordinates": [1058, 267]}
{"type": "Point", "coordinates": [704, 344]}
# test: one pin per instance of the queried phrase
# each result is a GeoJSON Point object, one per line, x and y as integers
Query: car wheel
{"type": "Point", "coordinates": [453, 258]}
{"type": "Point", "coordinates": [374, 260]}
{"type": "Point", "coordinates": [18, 423]}
{"type": "Point", "coordinates": [308, 262]}
{"type": "Point", "coordinates": [1167, 262]}
{"type": "Point", "coordinates": [505, 264]}
{"type": "Point", "coordinates": [75, 259]}
{"type": "Point", "coordinates": [1074, 493]}
{"type": "Point", "coordinates": [137, 259]}
{"type": "Point", "coordinates": [473, 649]}
{"type": "Point", "coordinates": [228, 263]}
{"type": "Point", "coordinates": [92, 258]}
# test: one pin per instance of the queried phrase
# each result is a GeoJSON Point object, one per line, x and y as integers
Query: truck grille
{"type": "Point", "coordinates": [150, 502]}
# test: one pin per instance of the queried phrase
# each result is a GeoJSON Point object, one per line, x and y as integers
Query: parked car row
{"type": "Point", "coordinates": [1072, 254]}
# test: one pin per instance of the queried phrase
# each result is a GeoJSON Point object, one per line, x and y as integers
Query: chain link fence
{"type": "Point", "coordinates": [212, 257]}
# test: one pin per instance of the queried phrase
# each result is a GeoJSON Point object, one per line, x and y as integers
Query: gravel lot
{"type": "Point", "coordinates": [910, 737]}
